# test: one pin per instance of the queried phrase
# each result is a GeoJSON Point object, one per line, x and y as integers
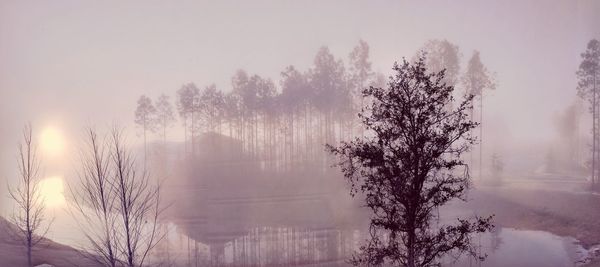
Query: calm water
{"type": "Point", "coordinates": [520, 248]}
{"type": "Point", "coordinates": [505, 247]}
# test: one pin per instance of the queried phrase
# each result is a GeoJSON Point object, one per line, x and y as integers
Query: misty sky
{"type": "Point", "coordinates": [76, 63]}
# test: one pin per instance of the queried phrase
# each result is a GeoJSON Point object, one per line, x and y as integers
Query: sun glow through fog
{"type": "Point", "coordinates": [52, 191]}
{"type": "Point", "coordinates": [52, 142]}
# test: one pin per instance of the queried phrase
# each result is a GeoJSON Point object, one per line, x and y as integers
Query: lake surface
{"type": "Point", "coordinates": [522, 248]}
{"type": "Point", "coordinates": [504, 247]}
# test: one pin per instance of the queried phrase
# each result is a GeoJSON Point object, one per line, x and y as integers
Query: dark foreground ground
{"type": "Point", "coordinates": [13, 254]}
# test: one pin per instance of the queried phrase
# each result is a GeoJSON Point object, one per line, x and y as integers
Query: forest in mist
{"type": "Point", "coordinates": [280, 133]}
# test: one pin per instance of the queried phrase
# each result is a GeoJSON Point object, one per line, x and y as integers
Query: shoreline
{"type": "Point", "coordinates": [567, 214]}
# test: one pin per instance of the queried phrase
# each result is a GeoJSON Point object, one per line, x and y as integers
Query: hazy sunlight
{"type": "Point", "coordinates": [52, 142]}
{"type": "Point", "coordinates": [52, 191]}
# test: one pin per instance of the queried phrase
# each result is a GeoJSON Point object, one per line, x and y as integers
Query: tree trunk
{"type": "Point", "coordinates": [411, 259]}
{"type": "Point", "coordinates": [29, 245]}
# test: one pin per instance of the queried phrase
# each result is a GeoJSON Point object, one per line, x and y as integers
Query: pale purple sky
{"type": "Point", "coordinates": [75, 63]}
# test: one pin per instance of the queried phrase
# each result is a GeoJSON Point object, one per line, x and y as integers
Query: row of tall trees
{"type": "Point", "coordinates": [292, 118]}
{"type": "Point", "coordinates": [29, 216]}
{"type": "Point", "coordinates": [476, 80]}
{"type": "Point", "coordinates": [154, 117]}
{"type": "Point", "coordinates": [287, 120]}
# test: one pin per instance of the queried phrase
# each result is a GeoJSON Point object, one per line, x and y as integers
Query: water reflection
{"type": "Point", "coordinates": [272, 246]}
{"type": "Point", "coordinates": [293, 246]}
{"type": "Point", "coordinates": [521, 248]}
{"type": "Point", "coordinates": [263, 246]}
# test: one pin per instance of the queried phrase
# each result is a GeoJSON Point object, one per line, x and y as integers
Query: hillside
{"type": "Point", "coordinates": [12, 253]}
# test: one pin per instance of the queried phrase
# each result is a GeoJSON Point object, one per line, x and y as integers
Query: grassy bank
{"type": "Point", "coordinates": [558, 212]}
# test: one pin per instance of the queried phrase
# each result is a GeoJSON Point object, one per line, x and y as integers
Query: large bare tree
{"type": "Point", "coordinates": [94, 201]}
{"type": "Point", "coordinates": [117, 205]}
{"type": "Point", "coordinates": [28, 215]}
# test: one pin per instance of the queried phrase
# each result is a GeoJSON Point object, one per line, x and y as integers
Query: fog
{"type": "Point", "coordinates": [66, 66]}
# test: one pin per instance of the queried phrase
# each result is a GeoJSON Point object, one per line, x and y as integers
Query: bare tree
{"type": "Point", "coordinates": [116, 205]}
{"type": "Point", "coordinates": [137, 204]}
{"type": "Point", "coordinates": [94, 202]}
{"type": "Point", "coordinates": [409, 164]}
{"type": "Point", "coordinates": [28, 215]}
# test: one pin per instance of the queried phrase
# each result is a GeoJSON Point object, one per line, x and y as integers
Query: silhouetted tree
{"type": "Point", "coordinates": [407, 165]}
{"type": "Point", "coordinates": [587, 88]}
{"type": "Point", "coordinates": [28, 216]}
{"type": "Point", "coordinates": [164, 115]}
{"type": "Point", "coordinates": [145, 117]}
{"type": "Point", "coordinates": [476, 80]}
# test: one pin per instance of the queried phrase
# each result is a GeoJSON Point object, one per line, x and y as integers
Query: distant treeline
{"type": "Point", "coordinates": [286, 121]}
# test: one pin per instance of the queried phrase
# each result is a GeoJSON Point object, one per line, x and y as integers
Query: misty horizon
{"type": "Point", "coordinates": [69, 67]}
